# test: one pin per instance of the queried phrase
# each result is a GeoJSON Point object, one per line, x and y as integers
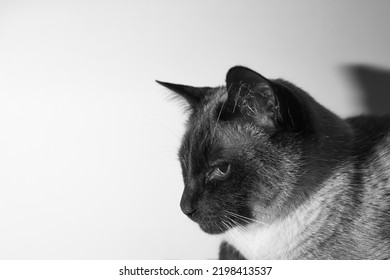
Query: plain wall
{"type": "Point", "coordinates": [88, 140]}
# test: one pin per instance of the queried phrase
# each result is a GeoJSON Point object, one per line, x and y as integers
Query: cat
{"type": "Point", "coordinates": [279, 176]}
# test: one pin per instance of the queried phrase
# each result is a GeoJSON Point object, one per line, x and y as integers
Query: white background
{"type": "Point", "coordinates": [88, 141]}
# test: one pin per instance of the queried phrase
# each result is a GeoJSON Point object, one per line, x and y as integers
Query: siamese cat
{"type": "Point", "coordinates": [279, 176]}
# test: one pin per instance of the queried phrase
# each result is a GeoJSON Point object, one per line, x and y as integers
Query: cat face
{"type": "Point", "coordinates": [240, 152]}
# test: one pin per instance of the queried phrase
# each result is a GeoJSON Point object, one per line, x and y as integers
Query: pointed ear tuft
{"type": "Point", "coordinates": [251, 95]}
{"type": "Point", "coordinates": [193, 95]}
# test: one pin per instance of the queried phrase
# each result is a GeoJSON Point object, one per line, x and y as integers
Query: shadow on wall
{"type": "Point", "coordinates": [374, 85]}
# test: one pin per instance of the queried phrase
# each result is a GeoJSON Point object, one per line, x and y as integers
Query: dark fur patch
{"type": "Point", "coordinates": [228, 252]}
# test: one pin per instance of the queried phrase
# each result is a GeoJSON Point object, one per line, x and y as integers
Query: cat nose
{"type": "Point", "coordinates": [188, 206]}
{"type": "Point", "coordinates": [188, 203]}
{"type": "Point", "coordinates": [189, 211]}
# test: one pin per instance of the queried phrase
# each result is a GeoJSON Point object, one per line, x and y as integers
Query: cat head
{"type": "Point", "coordinates": [241, 154]}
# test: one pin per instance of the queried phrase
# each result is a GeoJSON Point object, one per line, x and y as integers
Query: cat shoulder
{"type": "Point", "coordinates": [371, 136]}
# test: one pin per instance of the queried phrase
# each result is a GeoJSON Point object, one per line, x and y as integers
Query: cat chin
{"type": "Point", "coordinates": [213, 229]}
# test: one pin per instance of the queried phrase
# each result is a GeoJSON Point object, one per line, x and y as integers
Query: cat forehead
{"type": "Point", "coordinates": [227, 141]}
{"type": "Point", "coordinates": [216, 98]}
{"type": "Point", "coordinates": [204, 120]}
{"type": "Point", "coordinates": [206, 133]}
{"type": "Point", "coordinates": [207, 117]}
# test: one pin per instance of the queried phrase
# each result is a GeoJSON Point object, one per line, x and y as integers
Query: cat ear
{"type": "Point", "coordinates": [193, 95]}
{"type": "Point", "coordinates": [251, 95]}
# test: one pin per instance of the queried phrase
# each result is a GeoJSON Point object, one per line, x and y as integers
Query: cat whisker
{"type": "Point", "coordinates": [246, 219]}
{"type": "Point", "coordinates": [237, 217]}
{"type": "Point", "coordinates": [233, 222]}
{"type": "Point", "coordinates": [226, 225]}
{"type": "Point", "coordinates": [241, 233]}
{"type": "Point", "coordinates": [220, 227]}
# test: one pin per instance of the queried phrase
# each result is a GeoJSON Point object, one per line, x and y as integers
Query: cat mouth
{"type": "Point", "coordinates": [220, 223]}
{"type": "Point", "coordinates": [207, 224]}
{"type": "Point", "coordinates": [214, 226]}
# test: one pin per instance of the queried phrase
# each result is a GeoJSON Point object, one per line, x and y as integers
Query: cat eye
{"type": "Point", "coordinates": [220, 170]}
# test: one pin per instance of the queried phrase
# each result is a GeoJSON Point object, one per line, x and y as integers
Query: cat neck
{"type": "Point", "coordinates": [288, 237]}
{"type": "Point", "coordinates": [326, 144]}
